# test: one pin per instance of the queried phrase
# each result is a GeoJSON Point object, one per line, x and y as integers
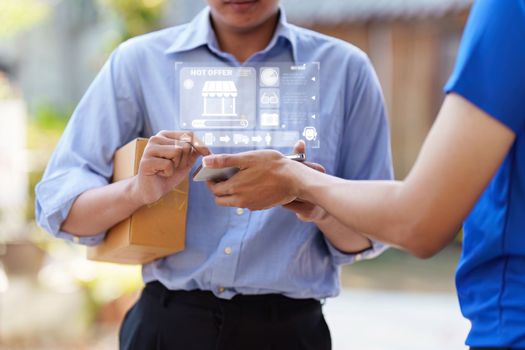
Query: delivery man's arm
{"type": "Point", "coordinates": [74, 197]}
{"type": "Point", "coordinates": [110, 114]}
{"type": "Point", "coordinates": [165, 163]}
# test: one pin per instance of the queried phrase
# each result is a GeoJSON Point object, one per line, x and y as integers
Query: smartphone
{"type": "Point", "coordinates": [211, 174]}
{"type": "Point", "coordinates": [221, 174]}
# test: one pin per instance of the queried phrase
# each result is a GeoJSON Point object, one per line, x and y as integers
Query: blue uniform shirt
{"type": "Point", "coordinates": [490, 73]}
{"type": "Point", "coordinates": [228, 250]}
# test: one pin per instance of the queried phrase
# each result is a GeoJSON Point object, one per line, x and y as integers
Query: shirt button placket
{"type": "Point", "coordinates": [224, 272]}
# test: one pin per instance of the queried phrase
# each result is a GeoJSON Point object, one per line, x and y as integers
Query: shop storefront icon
{"type": "Point", "coordinates": [219, 98]}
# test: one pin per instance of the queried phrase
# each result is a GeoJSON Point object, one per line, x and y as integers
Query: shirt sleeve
{"type": "Point", "coordinates": [108, 116]}
{"type": "Point", "coordinates": [365, 147]}
{"type": "Point", "coordinates": [490, 70]}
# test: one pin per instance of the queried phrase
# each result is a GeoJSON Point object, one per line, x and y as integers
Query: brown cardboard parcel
{"type": "Point", "coordinates": [152, 231]}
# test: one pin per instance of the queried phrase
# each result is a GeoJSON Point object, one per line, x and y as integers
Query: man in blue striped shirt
{"type": "Point", "coordinates": [246, 280]}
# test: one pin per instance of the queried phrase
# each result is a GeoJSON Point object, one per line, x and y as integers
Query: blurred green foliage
{"type": "Point", "coordinates": [46, 125]}
{"type": "Point", "coordinates": [51, 117]}
{"type": "Point", "coordinates": [65, 264]}
{"type": "Point", "coordinates": [136, 17]}
{"type": "Point", "coordinates": [19, 15]}
{"type": "Point", "coordinates": [43, 132]}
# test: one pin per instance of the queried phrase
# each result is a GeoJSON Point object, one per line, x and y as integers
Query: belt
{"type": "Point", "coordinates": [208, 299]}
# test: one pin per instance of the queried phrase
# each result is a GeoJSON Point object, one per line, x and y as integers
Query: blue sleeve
{"type": "Point", "coordinates": [108, 116]}
{"type": "Point", "coordinates": [490, 68]}
{"type": "Point", "coordinates": [365, 152]}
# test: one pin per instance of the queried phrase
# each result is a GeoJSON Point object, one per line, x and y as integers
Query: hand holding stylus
{"type": "Point", "coordinates": [166, 162]}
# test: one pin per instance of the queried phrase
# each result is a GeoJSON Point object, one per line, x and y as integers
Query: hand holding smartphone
{"type": "Point", "coordinates": [213, 174]}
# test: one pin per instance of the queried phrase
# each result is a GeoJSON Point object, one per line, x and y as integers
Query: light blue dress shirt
{"type": "Point", "coordinates": [228, 250]}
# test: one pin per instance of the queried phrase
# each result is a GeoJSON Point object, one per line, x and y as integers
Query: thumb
{"type": "Point", "coordinates": [316, 166]}
{"type": "Point", "coordinates": [224, 161]}
{"type": "Point", "coordinates": [299, 147]}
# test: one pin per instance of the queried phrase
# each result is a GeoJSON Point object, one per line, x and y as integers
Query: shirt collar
{"type": "Point", "coordinates": [199, 32]}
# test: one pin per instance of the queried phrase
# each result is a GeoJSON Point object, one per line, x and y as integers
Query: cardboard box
{"type": "Point", "coordinates": [153, 231]}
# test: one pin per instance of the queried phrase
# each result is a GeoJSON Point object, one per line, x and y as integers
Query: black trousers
{"type": "Point", "coordinates": [197, 320]}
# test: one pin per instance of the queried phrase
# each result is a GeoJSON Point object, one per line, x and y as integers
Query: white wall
{"type": "Point", "coordinates": [13, 168]}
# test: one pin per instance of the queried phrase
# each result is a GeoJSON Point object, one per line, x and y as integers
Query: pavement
{"type": "Point", "coordinates": [361, 319]}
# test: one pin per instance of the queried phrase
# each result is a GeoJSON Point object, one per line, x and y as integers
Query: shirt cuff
{"type": "Point", "coordinates": [87, 241]}
{"type": "Point", "coordinates": [341, 258]}
{"type": "Point", "coordinates": [52, 222]}
{"type": "Point", "coordinates": [52, 208]}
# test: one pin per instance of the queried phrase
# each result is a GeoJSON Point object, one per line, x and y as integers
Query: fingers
{"type": "Point", "coordinates": [315, 166]}
{"type": "Point", "coordinates": [302, 208]}
{"type": "Point", "coordinates": [220, 189]}
{"type": "Point", "coordinates": [180, 137]}
{"type": "Point", "coordinates": [180, 156]}
{"type": "Point", "coordinates": [226, 160]}
{"type": "Point", "coordinates": [158, 166]}
{"type": "Point", "coordinates": [227, 201]}
{"type": "Point", "coordinates": [300, 147]}
{"type": "Point", "coordinates": [224, 194]}
{"type": "Point", "coordinates": [173, 138]}
{"type": "Point", "coordinates": [182, 147]}
{"type": "Point", "coordinates": [242, 160]}
{"type": "Point", "coordinates": [200, 147]}
{"type": "Point", "coordinates": [172, 152]}
{"type": "Point", "coordinates": [186, 136]}
{"type": "Point", "coordinates": [161, 140]}
{"type": "Point", "coordinates": [305, 211]}
{"type": "Point", "coordinates": [187, 149]}
{"type": "Point", "coordinates": [185, 158]}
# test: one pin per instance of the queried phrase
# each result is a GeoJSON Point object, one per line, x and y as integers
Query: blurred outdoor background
{"type": "Point", "coordinates": [51, 297]}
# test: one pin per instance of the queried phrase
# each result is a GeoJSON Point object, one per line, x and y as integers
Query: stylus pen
{"type": "Point", "coordinates": [193, 146]}
{"type": "Point", "coordinates": [299, 157]}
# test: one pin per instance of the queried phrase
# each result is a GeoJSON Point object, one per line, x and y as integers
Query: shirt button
{"type": "Point", "coordinates": [359, 257]}
{"type": "Point", "coordinates": [221, 289]}
{"type": "Point", "coordinates": [76, 239]}
{"type": "Point", "coordinates": [227, 250]}
{"type": "Point", "coordinates": [239, 211]}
